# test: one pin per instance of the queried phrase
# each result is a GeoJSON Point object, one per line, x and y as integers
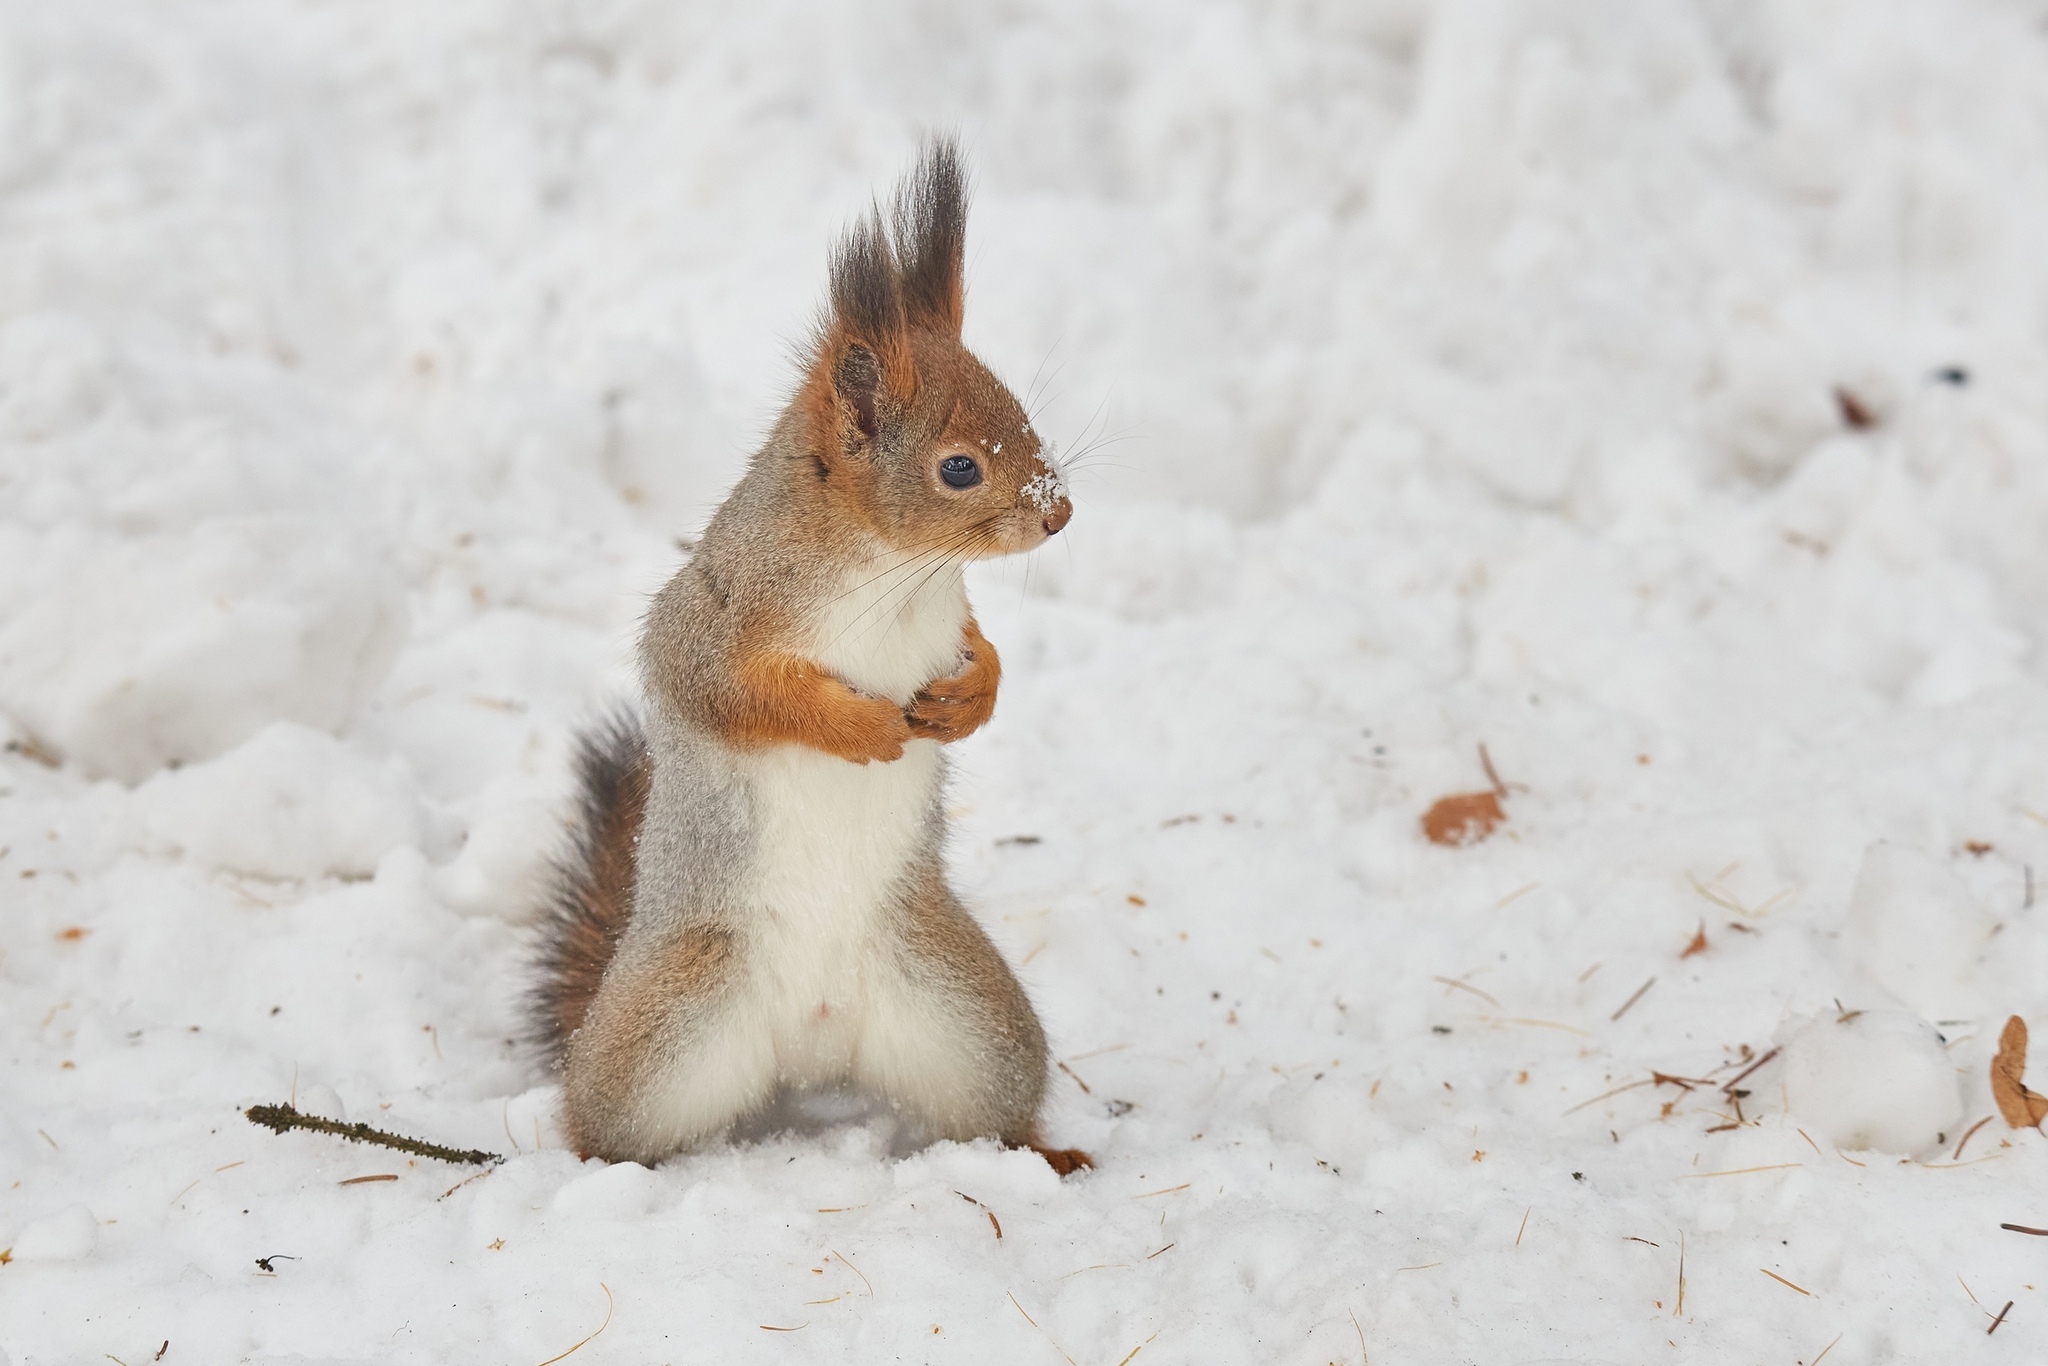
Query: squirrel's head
{"type": "Point", "coordinates": [907, 429]}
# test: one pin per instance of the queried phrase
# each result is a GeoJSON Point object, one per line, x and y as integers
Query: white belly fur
{"type": "Point", "coordinates": [833, 838]}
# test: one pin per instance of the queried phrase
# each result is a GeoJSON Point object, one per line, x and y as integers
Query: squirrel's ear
{"type": "Point", "coordinates": [857, 380]}
{"type": "Point", "coordinates": [930, 222]}
{"type": "Point", "coordinates": [863, 350]}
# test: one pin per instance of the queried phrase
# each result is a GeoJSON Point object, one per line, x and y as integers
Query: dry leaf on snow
{"type": "Point", "coordinates": [1463, 818]}
{"type": "Point", "coordinates": [2023, 1109]}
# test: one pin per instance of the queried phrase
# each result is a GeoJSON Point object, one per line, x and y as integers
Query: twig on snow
{"type": "Point", "coordinates": [281, 1118]}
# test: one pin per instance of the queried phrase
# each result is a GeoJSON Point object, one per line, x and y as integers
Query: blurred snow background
{"type": "Point", "coordinates": [1654, 392]}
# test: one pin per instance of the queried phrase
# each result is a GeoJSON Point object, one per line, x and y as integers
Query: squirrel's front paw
{"type": "Point", "coordinates": [952, 708]}
{"type": "Point", "coordinates": [875, 734]}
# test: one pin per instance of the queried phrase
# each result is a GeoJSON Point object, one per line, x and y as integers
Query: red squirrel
{"type": "Point", "coordinates": [757, 897]}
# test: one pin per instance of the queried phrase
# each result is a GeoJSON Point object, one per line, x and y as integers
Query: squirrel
{"type": "Point", "coordinates": [757, 894]}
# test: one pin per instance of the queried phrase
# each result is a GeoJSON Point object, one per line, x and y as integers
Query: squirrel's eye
{"type": "Point", "coordinates": [960, 471]}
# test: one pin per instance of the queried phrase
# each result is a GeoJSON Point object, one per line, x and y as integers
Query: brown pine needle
{"type": "Point", "coordinates": [1957, 1156]}
{"type": "Point", "coordinates": [1135, 1350]}
{"type": "Point", "coordinates": [1632, 1000]}
{"type": "Point", "coordinates": [1729, 1086]}
{"type": "Point", "coordinates": [463, 1182]}
{"type": "Point", "coordinates": [1830, 1347]}
{"type": "Point", "coordinates": [1362, 1357]}
{"type": "Point", "coordinates": [1678, 1310]}
{"type": "Point", "coordinates": [2000, 1319]}
{"type": "Point", "coordinates": [1525, 1225]}
{"type": "Point", "coordinates": [2022, 1228]}
{"type": "Point", "coordinates": [1168, 1191]}
{"type": "Point", "coordinates": [360, 1180]}
{"type": "Point", "coordinates": [1150, 1255]}
{"type": "Point", "coordinates": [600, 1328]}
{"type": "Point", "coordinates": [1782, 1281]}
{"type": "Point", "coordinates": [773, 1328]}
{"type": "Point", "coordinates": [282, 1118]}
{"type": "Point", "coordinates": [1076, 1076]}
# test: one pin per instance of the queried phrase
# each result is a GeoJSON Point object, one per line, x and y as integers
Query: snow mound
{"type": "Point", "coordinates": [65, 1236]}
{"type": "Point", "coordinates": [179, 646]}
{"type": "Point", "coordinates": [1915, 930]}
{"type": "Point", "coordinates": [1871, 1079]}
{"type": "Point", "coordinates": [293, 802]}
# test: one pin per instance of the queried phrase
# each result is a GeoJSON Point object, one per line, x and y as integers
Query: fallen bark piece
{"type": "Point", "coordinates": [2023, 1109]}
{"type": "Point", "coordinates": [280, 1118]}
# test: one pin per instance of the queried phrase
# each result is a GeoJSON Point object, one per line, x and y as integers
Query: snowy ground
{"type": "Point", "coordinates": [360, 364]}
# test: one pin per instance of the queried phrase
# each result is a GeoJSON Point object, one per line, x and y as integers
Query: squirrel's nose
{"type": "Point", "coordinates": [1062, 513]}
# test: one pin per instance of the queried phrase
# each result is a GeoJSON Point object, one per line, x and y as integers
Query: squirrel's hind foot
{"type": "Point", "coordinates": [1063, 1161]}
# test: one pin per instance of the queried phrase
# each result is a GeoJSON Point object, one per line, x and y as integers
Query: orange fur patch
{"type": "Point", "coordinates": [784, 700]}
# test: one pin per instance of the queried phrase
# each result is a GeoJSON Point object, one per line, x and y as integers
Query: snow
{"type": "Point", "coordinates": [1454, 374]}
{"type": "Point", "coordinates": [1871, 1079]}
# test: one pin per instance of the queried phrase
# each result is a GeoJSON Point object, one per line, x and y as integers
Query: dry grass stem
{"type": "Point", "coordinates": [856, 1271]}
{"type": "Point", "coordinates": [1604, 1095]}
{"type": "Point", "coordinates": [1467, 986]}
{"type": "Point", "coordinates": [600, 1328]}
{"type": "Point", "coordinates": [1742, 1171]}
{"type": "Point", "coordinates": [1536, 1024]}
{"type": "Point", "coordinates": [1048, 1336]}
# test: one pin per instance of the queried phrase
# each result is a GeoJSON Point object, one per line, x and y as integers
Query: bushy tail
{"type": "Point", "coordinates": [591, 898]}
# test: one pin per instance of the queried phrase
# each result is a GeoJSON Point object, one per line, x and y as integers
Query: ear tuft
{"type": "Point", "coordinates": [930, 222]}
{"type": "Point", "coordinates": [867, 298]}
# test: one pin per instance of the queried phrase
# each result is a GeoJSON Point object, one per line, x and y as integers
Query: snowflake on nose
{"type": "Point", "coordinates": [1048, 487]}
